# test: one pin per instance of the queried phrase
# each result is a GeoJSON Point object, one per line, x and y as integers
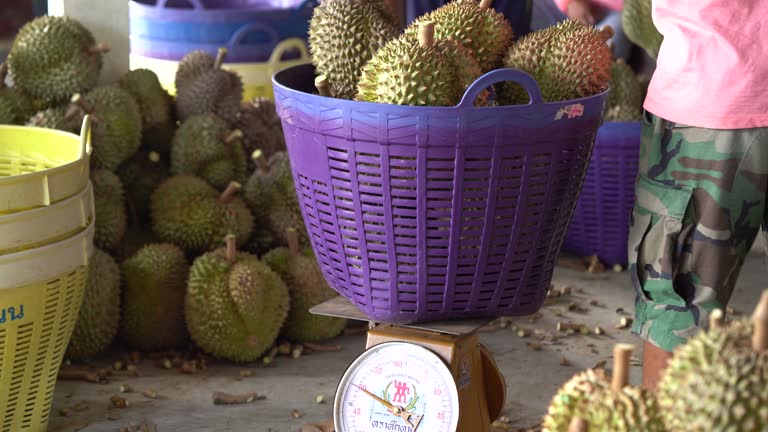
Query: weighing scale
{"type": "Point", "coordinates": [427, 377]}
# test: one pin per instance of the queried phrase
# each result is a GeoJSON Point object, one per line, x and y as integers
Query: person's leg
{"type": "Point", "coordinates": [545, 13]}
{"type": "Point", "coordinates": [622, 47]}
{"type": "Point", "coordinates": [700, 199]}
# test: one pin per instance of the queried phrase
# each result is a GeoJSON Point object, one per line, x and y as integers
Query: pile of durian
{"type": "Point", "coordinates": [198, 230]}
{"type": "Point", "coordinates": [718, 381]}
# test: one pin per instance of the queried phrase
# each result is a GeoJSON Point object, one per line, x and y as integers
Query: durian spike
{"type": "Point", "coordinates": [321, 82]}
{"type": "Point", "coordinates": [154, 156]}
{"type": "Point", "coordinates": [3, 73]}
{"type": "Point", "coordinates": [220, 55]}
{"type": "Point", "coordinates": [760, 319]}
{"type": "Point", "coordinates": [485, 4]}
{"type": "Point", "coordinates": [258, 158]}
{"type": "Point", "coordinates": [426, 34]}
{"type": "Point", "coordinates": [716, 319]}
{"type": "Point", "coordinates": [229, 192]}
{"type": "Point", "coordinates": [100, 48]}
{"type": "Point", "coordinates": [231, 241]}
{"type": "Point", "coordinates": [621, 357]}
{"type": "Point", "coordinates": [606, 33]}
{"type": "Point", "coordinates": [78, 100]}
{"type": "Point", "coordinates": [293, 241]}
{"type": "Point", "coordinates": [578, 424]}
{"type": "Point", "coordinates": [236, 134]}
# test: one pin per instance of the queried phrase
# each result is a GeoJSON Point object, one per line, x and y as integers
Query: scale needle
{"type": "Point", "coordinates": [396, 410]}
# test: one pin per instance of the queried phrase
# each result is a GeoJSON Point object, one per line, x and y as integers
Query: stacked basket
{"type": "Point", "coordinates": [261, 37]}
{"type": "Point", "coordinates": [46, 233]}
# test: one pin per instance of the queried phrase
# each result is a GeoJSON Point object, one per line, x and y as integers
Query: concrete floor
{"type": "Point", "coordinates": [185, 403]}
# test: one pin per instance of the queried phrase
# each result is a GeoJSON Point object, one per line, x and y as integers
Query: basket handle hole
{"type": "Point", "coordinates": [519, 77]}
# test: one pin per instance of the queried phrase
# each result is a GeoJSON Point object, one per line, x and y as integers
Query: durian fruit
{"type": "Point", "coordinates": [99, 316]}
{"type": "Point", "coordinates": [154, 102]}
{"type": "Point", "coordinates": [190, 213]}
{"type": "Point", "coordinates": [625, 101]}
{"type": "Point", "coordinates": [62, 118]}
{"type": "Point", "coordinates": [109, 203]}
{"type": "Point", "coordinates": [603, 405]}
{"type": "Point", "coordinates": [136, 237]}
{"type": "Point", "coordinates": [235, 305]}
{"type": "Point", "coordinates": [308, 288]}
{"type": "Point", "coordinates": [638, 25]}
{"type": "Point", "coordinates": [202, 86]}
{"type": "Point", "coordinates": [141, 175]}
{"type": "Point", "coordinates": [271, 195]}
{"type": "Point", "coordinates": [485, 32]}
{"type": "Point", "coordinates": [718, 381]}
{"type": "Point", "coordinates": [344, 35]}
{"type": "Point", "coordinates": [116, 124]}
{"type": "Point", "coordinates": [262, 129]}
{"type": "Point", "coordinates": [205, 146]}
{"type": "Point", "coordinates": [155, 283]}
{"type": "Point", "coordinates": [568, 61]}
{"type": "Point", "coordinates": [15, 107]}
{"type": "Point", "coordinates": [54, 57]}
{"type": "Point", "coordinates": [426, 72]}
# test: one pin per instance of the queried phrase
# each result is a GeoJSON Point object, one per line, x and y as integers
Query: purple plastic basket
{"type": "Point", "coordinates": [428, 213]}
{"type": "Point", "coordinates": [600, 223]}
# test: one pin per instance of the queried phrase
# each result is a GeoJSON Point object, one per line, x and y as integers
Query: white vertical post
{"type": "Point", "coordinates": [108, 21]}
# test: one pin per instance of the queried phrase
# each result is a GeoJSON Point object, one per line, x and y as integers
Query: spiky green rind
{"type": "Point", "coordinates": [187, 211]}
{"type": "Point", "coordinates": [140, 176]}
{"type": "Point", "coordinates": [109, 203]}
{"type": "Point", "coordinates": [99, 316]}
{"type": "Point", "coordinates": [568, 61]}
{"type": "Point", "coordinates": [202, 88]}
{"type": "Point", "coordinates": [716, 382]}
{"type": "Point", "coordinates": [56, 118]}
{"type": "Point", "coordinates": [637, 23]}
{"type": "Point", "coordinates": [155, 283]}
{"type": "Point", "coordinates": [152, 99]}
{"type": "Point", "coordinates": [405, 73]}
{"type": "Point", "coordinates": [625, 101]}
{"type": "Point", "coordinates": [261, 127]}
{"type": "Point", "coordinates": [116, 130]}
{"type": "Point", "coordinates": [15, 107]}
{"type": "Point", "coordinates": [484, 32]}
{"type": "Point", "coordinates": [199, 148]}
{"type": "Point", "coordinates": [308, 288]}
{"type": "Point", "coordinates": [235, 311]}
{"type": "Point", "coordinates": [344, 35]}
{"type": "Point", "coordinates": [52, 58]}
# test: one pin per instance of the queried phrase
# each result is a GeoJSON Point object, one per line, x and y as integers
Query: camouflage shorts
{"type": "Point", "coordinates": [700, 201]}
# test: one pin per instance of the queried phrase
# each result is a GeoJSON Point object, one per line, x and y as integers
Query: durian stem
{"type": "Point", "coordinates": [78, 100]}
{"type": "Point", "coordinates": [258, 158]}
{"type": "Point", "coordinates": [321, 82]}
{"type": "Point", "coordinates": [100, 48]}
{"type": "Point", "coordinates": [485, 4]}
{"type": "Point", "coordinates": [236, 134]}
{"type": "Point", "coordinates": [231, 241]}
{"type": "Point", "coordinates": [578, 424]}
{"type": "Point", "coordinates": [760, 319]}
{"type": "Point", "coordinates": [154, 156]}
{"type": "Point", "coordinates": [3, 73]}
{"type": "Point", "coordinates": [426, 34]}
{"type": "Point", "coordinates": [229, 192]}
{"type": "Point", "coordinates": [621, 357]}
{"type": "Point", "coordinates": [220, 55]}
{"type": "Point", "coordinates": [293, 241]}
{"type": "Point", "coordinates": [716, 319]}
{"type": "Point", "coordinates": [606, 33]}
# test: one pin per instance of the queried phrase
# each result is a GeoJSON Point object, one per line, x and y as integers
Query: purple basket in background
{"type": "Point", "coordinates": [600, 224]}
{"type": "Point", "coordinates": [429, 213]}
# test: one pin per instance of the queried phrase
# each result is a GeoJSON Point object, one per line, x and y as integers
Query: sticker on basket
{"type": "Point", "coordinates": [11, 313]}
{"type": "Point", "coordinates": [571, 111]}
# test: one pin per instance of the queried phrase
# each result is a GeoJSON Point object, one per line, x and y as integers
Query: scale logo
{"type": "Point", "coordinates": [399, 393]}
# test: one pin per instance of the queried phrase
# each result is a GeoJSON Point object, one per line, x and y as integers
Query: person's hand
{"type": "Point", "coordinates": [583, 11]}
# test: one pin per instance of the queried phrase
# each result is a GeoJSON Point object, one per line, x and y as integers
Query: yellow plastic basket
{"type": "Point", "coordinates": [46, 225]}
{"type": "Point", "coordinates": [40, 294]}
{"type": "Point", "coordinates": [257, 77]}
{"type": "Point", "coordinates": [40, 166]}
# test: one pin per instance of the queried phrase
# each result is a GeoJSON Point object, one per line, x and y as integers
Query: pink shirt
{"type": "Point", "coordinates": [614, 5]}
{"type": "Point", "coordinates": [712, 69]}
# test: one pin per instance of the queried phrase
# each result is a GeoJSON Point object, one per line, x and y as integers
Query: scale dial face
{"type": "Point", "coordinates": [397, 386]}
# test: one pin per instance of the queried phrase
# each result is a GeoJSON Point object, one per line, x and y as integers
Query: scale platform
{"type": "Point", "coordinates": [340, 307]}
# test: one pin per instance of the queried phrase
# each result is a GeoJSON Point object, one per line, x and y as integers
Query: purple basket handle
{"type": "Point", "coordinates": [196, 4]}
{"type": "Point", "coordinates": [241, 33]}
{"type": "Point", "coordinates": [501, 75]}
